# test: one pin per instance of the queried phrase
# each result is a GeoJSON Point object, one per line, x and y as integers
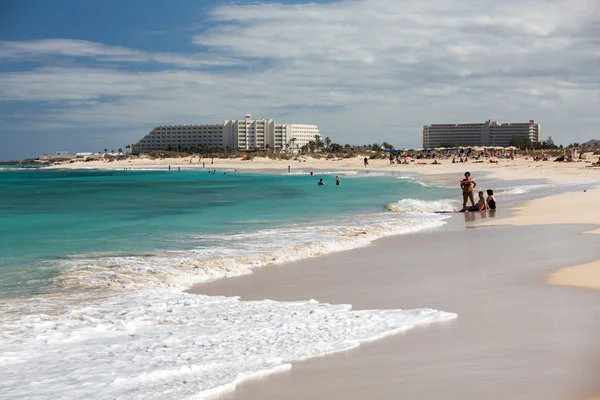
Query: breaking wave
{"type": "Point", "coordinates": [421, 206]}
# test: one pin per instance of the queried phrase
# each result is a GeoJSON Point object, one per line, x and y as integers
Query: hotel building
{"type": "Point", "coordinates": [489, 133]}
{"type": "Point", "coordinates": [243, 134]}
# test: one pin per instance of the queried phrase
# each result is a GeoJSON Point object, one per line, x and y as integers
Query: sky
{"type": "Point", "coordinates": [88, 75]}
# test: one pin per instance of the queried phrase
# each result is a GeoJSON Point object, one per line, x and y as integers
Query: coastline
{"type": "Point", "coordinates": [509, 170]}
{"type": "Point", "coordinates": [304, 373]}
{"type": "Point", "coordinates": [559, 174]}
{"type": "Point", "coordinates": [554, 210]}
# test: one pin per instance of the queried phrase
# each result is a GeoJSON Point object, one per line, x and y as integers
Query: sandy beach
{"type": "Point", "coordinates": [569, 208]}
{"type": "Point", "coordinates": [519, 168]}
{"type": "Point", "coordinates": [520, 283]}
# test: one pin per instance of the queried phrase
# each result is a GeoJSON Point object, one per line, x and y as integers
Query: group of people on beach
{"type": "Point", "coordinates": [468, 186]}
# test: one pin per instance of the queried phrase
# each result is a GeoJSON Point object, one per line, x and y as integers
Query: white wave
{"type": "Point", "coordinates": [421, 206]}
{"type": "Point", "coordinates": [353, 173]}
{"type": "Point", "coordinates": [161, 343]}
{"type": "Point", "coordinates": [543, 187]}
{"type": "Point", "coordinates": [415, 180]}
{"type": "Point", "coordinates": [237, 254]}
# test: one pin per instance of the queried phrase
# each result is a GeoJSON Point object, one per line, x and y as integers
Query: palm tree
{"type": "Point", "coordinates": [327, 142]}
{"type": "Point", "coordinates": [120, 151]}
{"type": "Point", "coordinates": [128, 147]}
{"type": "Point", "coordinates": [318, 142]}
{"type": "Point", "coordinates": [112, 151]}
{"type": "Point", "coordinates": [105, 151]}
{"type": "Point", "coordinates": [292, 142]}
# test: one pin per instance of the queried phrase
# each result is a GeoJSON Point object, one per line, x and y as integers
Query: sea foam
{"type": "Point", "coordinates": [161, 343]}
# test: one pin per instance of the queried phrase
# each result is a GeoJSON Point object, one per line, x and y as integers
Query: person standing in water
{"type": "Point", "coordinates": [338, 181]}
{"type": "Point", "coordinates": [468, 187]}
{"type": "Point", "coordinates": [321, 183]}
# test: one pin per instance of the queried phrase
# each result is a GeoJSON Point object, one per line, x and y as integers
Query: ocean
{"type": "Point", "coordinates": [94, 266]}
{"type": "Point", "coordinates": [59, 221]}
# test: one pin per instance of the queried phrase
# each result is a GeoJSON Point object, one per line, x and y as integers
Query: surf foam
{"type": "Point", "coordinates": [162, 343]}
{"type": "Point", "coordinates": [421, 206]}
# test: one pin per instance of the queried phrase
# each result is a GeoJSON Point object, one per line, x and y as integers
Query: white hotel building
{"type": "Point", "coordinates": [242, 134]}
{"type": "Point", "coordinates": [489, 133]}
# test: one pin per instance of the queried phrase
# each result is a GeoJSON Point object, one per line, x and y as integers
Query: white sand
{"type": "Point", "coordinates": [569, 208]}
{"type": "Point", "coordinates": [520, 168]}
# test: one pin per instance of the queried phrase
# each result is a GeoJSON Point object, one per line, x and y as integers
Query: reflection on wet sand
{"type": "Point", "coordinates": [477, 215]}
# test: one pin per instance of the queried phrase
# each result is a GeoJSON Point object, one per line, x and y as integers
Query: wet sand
{"type": "Point", "coordinates": [515, 337]}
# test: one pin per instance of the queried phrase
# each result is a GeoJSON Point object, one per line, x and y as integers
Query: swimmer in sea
{"type": "Point", "coordinates": [468, 186]}
{"type": "Point", "coordinates": [321, 183]}
{"type": "Point", "coordinates": [338, 181]}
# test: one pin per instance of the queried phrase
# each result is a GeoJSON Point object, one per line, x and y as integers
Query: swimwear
{"type": "Point", "coordinates": [492, 203]}
{"type": "Point", "coordinates": [467, 185]}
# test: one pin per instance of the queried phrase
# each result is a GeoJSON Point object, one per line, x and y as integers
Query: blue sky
{"type": "Point", "coordinates": [89, 75]}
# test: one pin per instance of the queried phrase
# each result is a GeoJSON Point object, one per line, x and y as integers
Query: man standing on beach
{"type": "Point", "coordinates": [468, 186]}
{"type": "Point", "coordinates": [366, 162]}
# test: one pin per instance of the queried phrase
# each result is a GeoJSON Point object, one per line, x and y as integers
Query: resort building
{"type": "Point", "coordinates": [489, 133]}
{"type": "Point", "coordinates": [242, 134]}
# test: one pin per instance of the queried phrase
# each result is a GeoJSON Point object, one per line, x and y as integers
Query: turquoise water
{"type": "Point", "coordinates": [48, 216]}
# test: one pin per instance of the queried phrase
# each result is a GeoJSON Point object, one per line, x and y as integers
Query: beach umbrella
{"type": "Point", "coordinates": [439, 148]}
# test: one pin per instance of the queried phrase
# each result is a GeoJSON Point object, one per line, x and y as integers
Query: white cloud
{"type": "Point", "coordinates": [101, 52]}
{"type": "Point", "coordinates": [364, 71]}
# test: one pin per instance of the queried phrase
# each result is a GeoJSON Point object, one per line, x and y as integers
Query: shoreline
{"type": "Point", "coordinates": [516, 170]}
{"type": "Point", "coordinates": [500, 222]}
{"type": "Point", "coordinates": [434, 174]}
{"type": "Point", "coordinates": [510, 170]}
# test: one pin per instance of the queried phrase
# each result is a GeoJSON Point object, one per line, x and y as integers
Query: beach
{"type": "Point", "coordinates": [516, 288]}
{"type": "Point", "coordinates": [516, 336]}
{"type": "Point", "coordinates": [511, 170]}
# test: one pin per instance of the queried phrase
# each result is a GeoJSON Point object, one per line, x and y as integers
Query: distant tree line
{"type": "Point", "coordinates": [526, 143]}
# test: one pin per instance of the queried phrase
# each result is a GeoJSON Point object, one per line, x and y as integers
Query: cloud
{"type": "Point", "coordinates": [364, 71]}
{"type": "Point", "coordinates": [100, 52]}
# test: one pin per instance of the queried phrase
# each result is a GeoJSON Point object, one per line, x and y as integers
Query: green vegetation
{"type": "Point", "coordinates": [525, 143]}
